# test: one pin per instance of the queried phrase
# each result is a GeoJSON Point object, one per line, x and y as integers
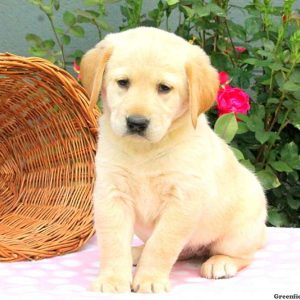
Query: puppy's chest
{"type": "Point", "coordinates": [150, 196]}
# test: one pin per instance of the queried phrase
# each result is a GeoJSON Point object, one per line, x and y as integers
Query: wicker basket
{"type": "Point", "coordinates": [47, 146]}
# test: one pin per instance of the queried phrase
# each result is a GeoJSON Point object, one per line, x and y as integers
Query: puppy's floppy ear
{"type": "Point", "coordinates": [203, 83]}
{"type": "Point", "coordinates": [92, 68]}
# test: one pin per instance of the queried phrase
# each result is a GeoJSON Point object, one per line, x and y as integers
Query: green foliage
{"type": "Point", "coordinates": [269, 135]}
{"type": "Point", "coordinates": [54, 49]}
{"type": "Point", "coordinates": [266, 140]}
{"type": "Point", "coordinates": [131, 13]}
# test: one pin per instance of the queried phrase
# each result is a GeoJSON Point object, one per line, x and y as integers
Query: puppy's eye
{"type": "Point", "coordinates": [123, 83]}
{"type": "Point", "coordinates": [163, 88]}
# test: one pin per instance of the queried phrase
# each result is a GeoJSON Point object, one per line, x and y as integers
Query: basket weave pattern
{"type": "Point", "coordinates": [47, 146]}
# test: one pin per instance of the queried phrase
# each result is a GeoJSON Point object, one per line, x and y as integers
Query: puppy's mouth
{"type": "Point", "coordinates": [137, 125]}
{"type": "Point", "coordinates": [138, 135]}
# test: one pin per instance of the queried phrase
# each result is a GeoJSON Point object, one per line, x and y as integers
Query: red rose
{"type": "Point", "coordinates": [232, 99]}
{"type": "Point", "coordinates": [76, 68]}
{"type": "Point", "coordinates": [240, 49]}
{"type": "Point", "coordinates": [223, 78]}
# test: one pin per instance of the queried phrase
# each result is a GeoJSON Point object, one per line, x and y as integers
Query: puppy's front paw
{"type": "Point", "coordinates": [150, 283]}
{"type": "Point", "coordinates": [112, 284]}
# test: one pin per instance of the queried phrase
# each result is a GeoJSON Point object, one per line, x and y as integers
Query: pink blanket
{"type": "Point", "coordinates": [276, 270]}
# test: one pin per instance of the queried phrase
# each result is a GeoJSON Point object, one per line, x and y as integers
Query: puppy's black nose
{"type": "Point", "coordinates": [137, 124]}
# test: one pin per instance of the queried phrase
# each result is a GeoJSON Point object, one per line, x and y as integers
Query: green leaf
{"type": "Point", "coordinates": [268, 179]}
{"type": "Point", "coordinates": [69, 19]}
{"type": "Point", "coordinates": [265, 53]}
{"type": "Point", "coordinates": [216, 9]}
{"type": "Point", "coordinates": [262, 136]}
{"type": "Point", "coordinates": [33, 38]}
{"type": "Point", "coordinates": [277, 218]}
{"type": "Point", "coordinates": [237, 30]}
{"type": "Point", "coordinates": [272, 101]}
{"type": "Point", "coordinates": [55, 4]}
{"type": "Point", "coordinates": [242, 117]}
{"type": "Point", "coordinates": [38, 52]}
{"type": "Point", "coordinates": [242, 127]}
{"type": "Point", "coordinates": [81, 19]}
{"type": "Point", "coordinates": [296, 124]}
{"type": "Point", "coordinates": [257, 62]}
{"type": "Point", "coordinates": [281, 166]}
{"type": "Point", "coordinates": [293, 203]}
{"type": "Point", "coordinates": [251, 61]}
{"type": "Point", "coordinates": [289, 151]}
{"type": "Point", "coordinates": [240, 77]}
{"type": "Point", "coordinates": [279, 78]}
{"type": "Point", "coordinates": [48, 44]}
{"type": "Point", "coordinates": [202, 11]}
{"type": "Point", "coordinates": [238, 154]}
{"type": "Point", "coordinates": [226, 127]}
{"type": "Point", "coordinates": [247, 163]}
{"type": "Point", "coordinates": [172, 2]}
{"type": "Point", "coordinates": [187, 10]}
{"type": "Point", "coordinates": [66, 39]}
{"type": "Point", "coordinates": [295, 75]}
{"type": "Point", "coordinates": [295, 190]}
{"type": "Point", "coordinates": [59, 30]}
{"type": "Point", "coordinates": [77, 53]}
{"type": "Point", "coordinates": [220, 61]}
{"type": "Point", "coordinates": [289, 104]}
{"type": "Point", "coordinates": [269, 45]}
{"type": "Point", "coordinates": [295, 118]}
{"type": "Point", "coordinates": [276, 66]}
{"type": "Point", "coordinates": [259, 111]}
{"type": "Point", "coordinates": [255, 119]}
{"type": "Point", "coordinates": [88, 14]}
{"type": "Point", "coordinates": [103, 24]}
{"type": "Point", "coordinates": [289, 154]}
{"type": "Point", "coordinates": [295, 176]}
{"type": "Point", "coordinates": [291, 86]}
{"type": "Point", "coordinates": [252, 25]}
{"type": "Point", "coordinates": [77, 30]}
{"type": "Point", "coordinates": [254, 123]}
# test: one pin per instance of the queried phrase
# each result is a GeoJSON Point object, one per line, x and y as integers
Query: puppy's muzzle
{"type": "Point", "coordinates": [137, 124]}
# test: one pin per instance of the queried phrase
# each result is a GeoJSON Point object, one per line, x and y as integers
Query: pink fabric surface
{"type": "Point", "coordinates": [275, 270]}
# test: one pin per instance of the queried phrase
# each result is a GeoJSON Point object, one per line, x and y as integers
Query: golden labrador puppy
{"type": "Point", "coordinates": [161, 172]}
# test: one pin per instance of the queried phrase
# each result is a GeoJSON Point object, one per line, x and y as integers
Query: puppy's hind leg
{"type": "Point", "coordinates": [233, 253]}
{"type": "Point", "coordinates": [136, 252]}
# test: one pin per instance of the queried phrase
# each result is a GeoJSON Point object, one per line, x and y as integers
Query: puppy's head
{"type": "Point", "coordinates": [148, 79]}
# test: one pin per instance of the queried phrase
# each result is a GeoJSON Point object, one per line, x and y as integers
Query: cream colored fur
{"type": "Point", "coordinates": [179, 188]}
